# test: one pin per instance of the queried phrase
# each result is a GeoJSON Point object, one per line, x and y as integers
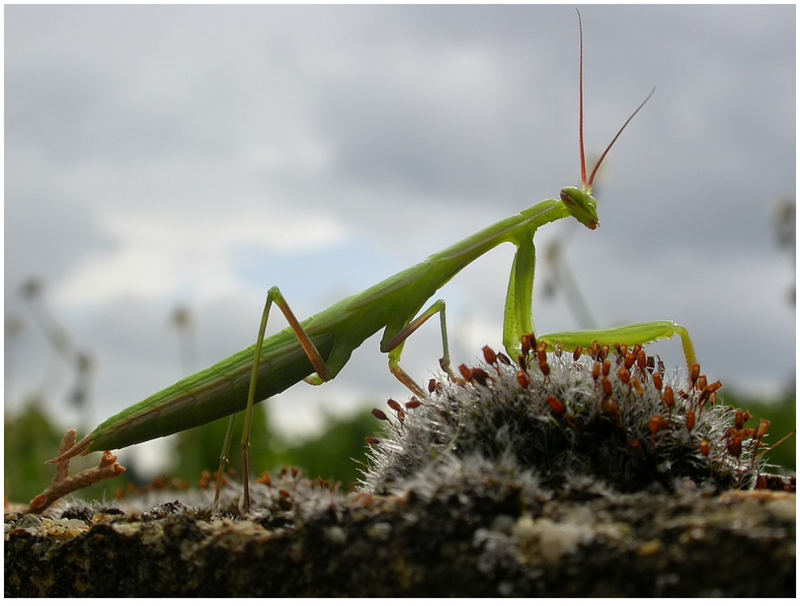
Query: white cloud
{"type": "Point", "coordinates": [158, 253]}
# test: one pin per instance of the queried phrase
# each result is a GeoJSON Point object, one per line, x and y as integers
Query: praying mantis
{"type": "Point", "coordinates": [316, 349]}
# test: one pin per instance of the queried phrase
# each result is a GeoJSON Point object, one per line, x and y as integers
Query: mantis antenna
{"type": "Point", "coordinates": [587, 185]}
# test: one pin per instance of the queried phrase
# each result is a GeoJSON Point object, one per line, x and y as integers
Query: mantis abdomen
{"type": "Point", "coordinates": [211, 394]}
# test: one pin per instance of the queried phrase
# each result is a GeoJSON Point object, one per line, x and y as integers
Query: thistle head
{"type": "Point", "coordinates": [606, 414]}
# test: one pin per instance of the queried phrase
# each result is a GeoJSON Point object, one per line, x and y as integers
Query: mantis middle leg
{"type": "Point", "coordinates": [394, 346]}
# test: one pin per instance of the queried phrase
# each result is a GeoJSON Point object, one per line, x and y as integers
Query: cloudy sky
{"type": "Point", "coordinates": [164, 156]}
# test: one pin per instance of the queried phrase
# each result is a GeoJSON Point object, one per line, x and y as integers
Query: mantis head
{"type": "Point", "coordinates": [581, 204]}
{"type": "Point", "coordinates": [579, 200]}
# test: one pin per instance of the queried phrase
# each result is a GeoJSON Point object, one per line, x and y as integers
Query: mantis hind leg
{"type": "Point", "coordinates": [322, 372]}
{"type": "Point", "coordinates": [393, 345]}
{"type": "Point", "coordinates": [631, 334]}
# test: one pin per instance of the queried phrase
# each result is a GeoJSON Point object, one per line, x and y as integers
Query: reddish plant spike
{"type": "Point", "coordinates": [555, 404]}
{"type": "Point", "coordinates": [763, 428]}
{"type": "Point", "coordinates": [596, 371]}
{"type": "Point", "coordinates": [624, 375]}
{"type": "Point", "coordinates": [503, 359]}
{"type": "Point", "coordinates": [432, 385]}
{"type": "Point", "coordinates": [606, 367]}
{"type": "Point", "coordinates": [735, 446]}
{"type": "Point", "coordinates": [702, 382]}
{"type": "Point", "coordinates": [705, 447]}
{"type": "Point", "coordinates": [401, 416]}
{"type": "Point", "coordinates": [668, 397]}
{"type": "Point", "coordinates": [393, 405]}
{"type": "Point", "coordinates": [607, 389]}
{"type": "Point", "coordinates": [528, 342]}
{"type": "Point", "coordinates": [604, 352]}
{"type": "Point", "coordinates": [610, 407]}
{"type": "Point", "coordinates": [651, 364]}
{"type": "Point", "coordinates": [629, 360]}
{"type": "Point", "coordinates": [489, 355]}
{"type": "Point", "coordinates": [709, 393]}
{"type": "Point", "coordinates": [636, 349]}
{"type": "Point", "coordinates": [637, 447]}
{"type": "Point", "coordinates": [412, 404]}
{"type": "Point", "coordinates": [656, 424]}
{"type": "Point", "coordinates": [522, 360]}
{"type": "Point", "coordinates": [480, 376]}
{"type": "Point", "coordinates": [621, 349]}
{"type": "Point", "coordinates": [641, 360]}
{"type": "Point", "coordinates": [690, 419]}
{"type": "Point", "coordinates": [577, 353]}
{"type": "Point", "coordinates": [379, 414]}
{"type": "Point", "coordinates": [522, 379]}
{"type": "Point", "coordinates": [637, 386]}
{"type": "Point", "coordinates": [741, 419]}
{"type": "Point", "coordinates": [372, 441]}
{"type": "Point", "coordinates": [544, 367]}
{"type": "Point", "coordinates": [657, 383]}
{"type": "Point", "coordinates": [695, 373]}
{"type": "Point", "coordinates": [465, 371]}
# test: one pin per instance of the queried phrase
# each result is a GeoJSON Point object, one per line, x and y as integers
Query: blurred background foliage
{"type": "Point", "coordinates": [335, 455]}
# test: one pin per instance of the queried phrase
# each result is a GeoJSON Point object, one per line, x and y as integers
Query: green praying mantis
{"type": "Point", "coordinates": [316, 349]}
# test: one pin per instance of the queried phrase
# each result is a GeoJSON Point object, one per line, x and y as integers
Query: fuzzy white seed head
{"type": "Point", "coordinates": [608, 416]}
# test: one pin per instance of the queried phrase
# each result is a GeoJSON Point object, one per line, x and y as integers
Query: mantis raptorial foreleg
{"type": "Point", "coordinates": [633, 333]}
{"type": "Point", "coordinates": [518, 315]}
{"type": "Point", "coordinates": [518, 319]}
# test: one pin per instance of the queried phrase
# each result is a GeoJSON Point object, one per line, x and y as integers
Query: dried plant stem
{"type": "Point", "coordinates": [63, 484]}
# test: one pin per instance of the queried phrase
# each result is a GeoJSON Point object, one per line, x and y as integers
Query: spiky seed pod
{"type": "Point", "coordinates": [571, 422]}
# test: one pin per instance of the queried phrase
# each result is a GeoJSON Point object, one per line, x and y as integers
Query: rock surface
{"type": "Point", "coordinates": [502, 536]}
